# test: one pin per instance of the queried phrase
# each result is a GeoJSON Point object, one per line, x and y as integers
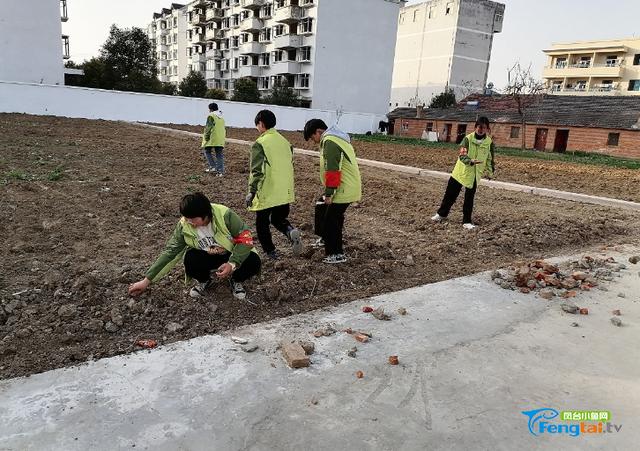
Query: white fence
{"type": "Point", "coordinates": [88, 103]}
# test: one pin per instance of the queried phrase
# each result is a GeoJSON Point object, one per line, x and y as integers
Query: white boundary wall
{"type": "Point", "coordinates": [88, 103]}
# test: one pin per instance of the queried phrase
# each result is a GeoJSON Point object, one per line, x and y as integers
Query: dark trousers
{"type": "Point", "coordinates": [329, 223]}
{"type": "Point", "coordinates": [450, 196]}
{"type": "Point", "coordinates": [265, 218]}
{"type": "Point", "coordinates": [198, 265]}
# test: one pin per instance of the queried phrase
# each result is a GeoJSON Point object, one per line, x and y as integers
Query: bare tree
{"type": "Point", "coordinates": [526, 91]}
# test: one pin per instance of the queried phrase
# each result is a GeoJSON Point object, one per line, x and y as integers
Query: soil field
{"type": "Point", "coordinates": [604, 181]}
{"type": "Point", "coordinates": [86, 206]}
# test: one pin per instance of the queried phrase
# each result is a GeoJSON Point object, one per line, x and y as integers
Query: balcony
{"type": "Point", "coordinates": [287, 41]}
{"type": "Point", "coordinates": [609, 70]}
{"type": "Point", "coordinates": [285, 67]}
{"type": "Point", "coordinates": [198, 19]}
{"type": "Point", "coordinates": [198, 58]}
{"type": "Point", "coordinates": [251, 48]}
{"type": "Point", "coordinates": [213, 74]}
{"type": "Point", "coordinates": [164, 31]}
{"type": "Point", "coordinates": [288, 14]}
{"type": "Point", "coordinates": [251, 24]}
{"type": "Point", "coordinates": [63, 11]}
{"type": "Point", "coordinates": [214, 14]}
{"type": "Point", "coordinates": [164, 63]}
{"type": "Point", "coordinates": [307, 3]}
{"type": "Point", "coordinates": [213, 54]}
{"type": "Point", "coordinates": [252, 4]}
{"type": "Point", "coordinates": [248, 71]}
{"type": "Point", "coordinates": [214, 34]}
{"type": "Point", "coordinates": [199, 38]}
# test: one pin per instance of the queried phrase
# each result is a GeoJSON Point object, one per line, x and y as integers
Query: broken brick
{"type": "Point", "coordinates": [367, 309]}
{"type": "Point", "coordinates": [362, 338]}
{"type": "Point", "coordinates": [308, 347]}
{"type": "Point", "coordinates": [617, 313]}
{"type": "Point", "coordinates": [584, 311]}
{"type": "Point", "coordinates": [295, 355]}
{"type": "Point", "coordinates": [359, 374]}
{"type": "Point", "coordinates": [393, 360]}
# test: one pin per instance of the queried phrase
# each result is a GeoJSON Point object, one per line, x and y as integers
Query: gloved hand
{"type": "Point", "coordinates": [249, 199]}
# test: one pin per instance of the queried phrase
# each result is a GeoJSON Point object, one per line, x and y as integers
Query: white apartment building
{"type": "Point", "coordinates": [36, 31]}
{"type": "Point", "coordinates": [314, 46]}
{"type": "Point", "coordinates": [168, 34]}
{"type": "Point", "coordinates": [443, 44]}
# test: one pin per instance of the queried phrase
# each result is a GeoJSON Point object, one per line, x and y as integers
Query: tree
{"type": "Point", "coordinates": [445, 99]}
{"type": "Point", "coordinates": [283, 95]}
{"type": "Point", "coordinates": [168, 89]}
{"type": "Point", "coordinates": [525, 91]}
{"type": "Point", "coordinates": [129, 61]}
{"type": "Point", "coordinates": [246, 90]}
{"type": "Point", "coordinates": [94, 71]}
{"type": "Point", "coordinates": [193, 85]}
{"type": "Point", "coordinates": [215, 93]}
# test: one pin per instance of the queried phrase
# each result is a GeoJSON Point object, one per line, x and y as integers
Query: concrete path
{"type": "Point", "coordinates": [410, 170]}
{"type": "Point", "coordinates": [472, 357]}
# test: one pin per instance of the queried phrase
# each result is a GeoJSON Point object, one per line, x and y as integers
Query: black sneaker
{"type": "Point", "coordinates": [200, 289]}
{"type": "Point", "coordinates": [237, 290]}
{"type": "Point", "coordinates": [274, 255]}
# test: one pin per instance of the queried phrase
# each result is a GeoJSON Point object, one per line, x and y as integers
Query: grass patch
{"type": "Point", "coordinates": [194, 179]}
{"type": "Point", "coordinates": [56, 174]}
{"type": "Point", "coordinates": [17, 174]}
{"type": "Point", "coordinates": [579, 157]}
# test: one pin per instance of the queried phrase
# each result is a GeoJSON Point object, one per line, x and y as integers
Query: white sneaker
{"type": "Point", "coordinates": [437, 218]}
{"type": "Point", "coordinates": [237, 290]}
{"type": "Point", "coordinates": [469, 226]}
{"type": "Point", "coordinates": [210, 170]}
{"type": "Point", "coordinates": [335, 259]}
{"type": "Point", "coordinates": [200, 289]}
{"type": "Point", "coordinates": [317, 244]}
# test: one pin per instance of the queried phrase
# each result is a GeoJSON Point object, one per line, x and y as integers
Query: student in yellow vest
{"type": "Point", "coordinates": [213, 242]}
{"type": "Point", "coordinates": [340, 176]}
{"type": "Point", "coordinates": [213, 138]}
{"type": "Point", "coordinates": [475, 160]}
{"type": "Point", "coordinates": [271, 185]}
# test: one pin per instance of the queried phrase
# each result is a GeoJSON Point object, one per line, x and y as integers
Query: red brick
{"type": "Point", "coordinates": [295, 355]}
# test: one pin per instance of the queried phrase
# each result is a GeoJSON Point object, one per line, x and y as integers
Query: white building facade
{"type": "Point", "coordinates": [333, 61]}
{"type": "Point", "coordinates": [168, 34]}
{"type": "Point", "coordinates": [443, 44]}
{"type": "Point", "coordinates": [33, 48]}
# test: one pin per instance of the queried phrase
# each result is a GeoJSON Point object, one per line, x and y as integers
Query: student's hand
{"type": "Point", "coordinates": [328, 200]}
{"type": "Point", "coordinates": [463, 151]}
{"type": "Point", "coordinates": [477, 161]}
{"type": "Point", "coordinates": [136, 289]}
{"type": "Point", "coordinates": [224, 271]}
{"type": "Point", "coordinates": [249, 199]}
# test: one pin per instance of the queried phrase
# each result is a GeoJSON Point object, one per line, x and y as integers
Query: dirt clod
{"type": "Point", "coordinates": [616, 321]}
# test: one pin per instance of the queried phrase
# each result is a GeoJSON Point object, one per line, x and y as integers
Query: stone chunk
{"type": "Point", "coordinates": [295, 355]}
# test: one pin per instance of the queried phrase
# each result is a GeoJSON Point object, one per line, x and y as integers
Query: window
{"type": "Point", "coordinates": [263, 83]}
{"type": "Point", "coordinates": [306, 25]}
{"type": "Point", "coordinates": [303, 80]}
{"type": "Point", "coordinates": [634, 85]}
{"type": "Point", "coordinates": [401, 18]}
{"type": "Point", "coordinates": [636, 60]}
{"type": "Point", "coordinates": [561, 63]}
{"type": "Point", "coordinates": [613, 139]}
{"type": "Point", "coordinates": [278, 56]}
{"type": "Point", "coordinates": [278, 30]}
{"type": "Point", "coordinates": [175, 22]}
{"type": "Point", "coordinates": [305, 53]}
{"type": "Point", "coordinates": [264, 59]}
{"type": "Point", "coordinates": [611, 61]}
{"type": "Point", "coordinates": [405, 126]}
{"type": "Point", "coordinates": [416, 15]}
{"type": "Point", "coordinates": [515, 132]}
{"type": "Point", "coordinates": [432, 12]}
{"type": "Point", "coordinates": [244, 60]}
{"type": "Point", "coordinates": [449, 9]}
{"type": "Point", "coordinates": [429, 127]}
{"type": "Point", "coordinates": [265, 35]}
{"type": "Point", "coordinates": [585, 61]}
{"type": "Point", "coordinates": [581, 85]}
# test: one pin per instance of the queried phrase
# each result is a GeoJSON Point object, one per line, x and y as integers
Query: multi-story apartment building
{"type": "Point", "coordinates": [36, 32]}
{"type": "Point", "coordinates": [443, 44]}
{"type": "Point", "coordinates": [168, 34]}
{"type": "Point", "coordinates": [594, 68]}
{"type": "Point", "coordinates": [314, 46]}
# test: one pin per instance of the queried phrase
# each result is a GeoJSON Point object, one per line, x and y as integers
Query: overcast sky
{"type": "Point", "coordinates": [529, 26]}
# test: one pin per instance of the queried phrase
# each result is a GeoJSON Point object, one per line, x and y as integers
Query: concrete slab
{"type": "Point", "coordinates": [472, 358]}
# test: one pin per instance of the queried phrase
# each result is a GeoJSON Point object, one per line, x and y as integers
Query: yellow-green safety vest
{"type": "Point", "coordinates": [466, 175]}
{"type": "Point", "coordinates": [218, 134]}
{"type": "Point", "coordinates": [350, 189]}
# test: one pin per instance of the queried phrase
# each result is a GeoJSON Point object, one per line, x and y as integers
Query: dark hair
{"type": "Point", "coordinates": [196, 205]}
{"type": "Point", "coordinates": [267, 118]}
{"type": "Point", "coordinates": [483, 120]}
{"type": "Point", "coordinates": [313, 126]}
{"type": "Point", "coordinates": [213, 107]}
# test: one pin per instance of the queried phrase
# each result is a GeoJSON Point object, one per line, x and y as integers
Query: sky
{"type": "Point", "coordinates": [529, 27]}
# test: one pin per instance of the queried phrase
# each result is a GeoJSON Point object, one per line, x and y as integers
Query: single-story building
{"type": "Point", "coordinates": [604, 124]}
